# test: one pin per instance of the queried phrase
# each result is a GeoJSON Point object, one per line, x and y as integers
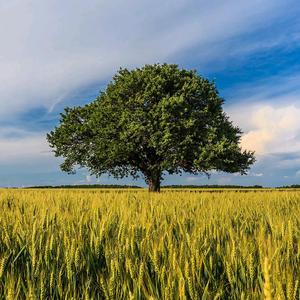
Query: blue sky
{"type": "Point", "coordinates": [57, 53]}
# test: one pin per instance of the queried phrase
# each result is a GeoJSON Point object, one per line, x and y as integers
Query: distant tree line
{"type": "Point", "coordinates": [86, 186]}
{"type": "Point", "coordinates": [115, 186]}
{"type": "Point", "coordinates": [213, 186]}
{"type": "Point", "coordinates": [293, 186]}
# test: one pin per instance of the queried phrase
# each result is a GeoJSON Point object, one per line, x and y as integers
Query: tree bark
{"type": "Point", "coordinates": [154, 183]}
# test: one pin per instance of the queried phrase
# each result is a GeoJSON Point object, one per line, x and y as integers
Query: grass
{"type": "Point", "coordinates": [91, 244]}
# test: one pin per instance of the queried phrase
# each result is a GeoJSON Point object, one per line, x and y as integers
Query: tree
{"type": "Point", "coordinates": [153, 120]}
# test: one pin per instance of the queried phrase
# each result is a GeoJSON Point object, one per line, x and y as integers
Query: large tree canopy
{"type": "Point", "coordinates": [150, 121]}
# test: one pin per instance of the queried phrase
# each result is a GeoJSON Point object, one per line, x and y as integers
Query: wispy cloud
{"type": "Point", "coordinates": [32, 147]}
{"type": "Point", "coordinates": [192, 179]}
{"type": "Point", "coordinates": [50, 49]}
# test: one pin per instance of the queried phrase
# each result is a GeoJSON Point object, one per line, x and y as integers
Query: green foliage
{"type": "Point", "coordinates": [155, 119]}
{"type": "Point", "coordinates": [91, 244]}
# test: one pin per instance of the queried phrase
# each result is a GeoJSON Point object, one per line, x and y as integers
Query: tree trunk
{"type": "Point", "coordinates": [154, 183]}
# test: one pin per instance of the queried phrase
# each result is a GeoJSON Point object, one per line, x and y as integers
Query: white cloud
{"type": "Point", "coordinates": [32, 147]}
{"type": "Point", "coordinates": [257, 174]}
{"type": "Point", "coordinates": [275, 129]}
{"type": "Point", "coordinates": [224, 180]}
{"type": "Point", "coordinates": [50, 49]}
{"type": "Point", "coordinates": [192, 179]}
{"type": "Point", "coordinates": [269, 117]}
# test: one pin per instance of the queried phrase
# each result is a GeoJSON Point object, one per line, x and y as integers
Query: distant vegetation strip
{"type": "Point", "coordinates": [86, 186]}
{"type": "Point", "coordinates": [213, 186]}
{"type": "Point", "coordinates": [116, 186]}
{"type": "Point", "coordinates": [293, 186]}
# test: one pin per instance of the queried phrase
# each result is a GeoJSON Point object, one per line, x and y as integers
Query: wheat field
{"type": "Point", "coordinates": [96, 244]}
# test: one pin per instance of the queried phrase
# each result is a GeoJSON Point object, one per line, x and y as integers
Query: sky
{"type": "Point", "coordinates": [62, 53]}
